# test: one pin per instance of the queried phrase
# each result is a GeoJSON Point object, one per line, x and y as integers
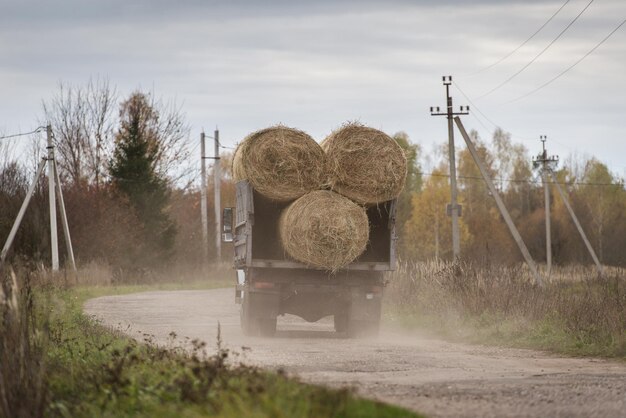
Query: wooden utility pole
{"type": "Point", "coordinates": [203, 202]}
{"type": "Point", "coordinates": [217, 178]}
{"type": "Point", "coordinates": [454, 209]}
{"type": "Point", "coordinates": [503, 211]}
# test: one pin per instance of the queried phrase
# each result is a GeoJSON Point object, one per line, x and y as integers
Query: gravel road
{"type": "Point", "coordinates": [428, 375]}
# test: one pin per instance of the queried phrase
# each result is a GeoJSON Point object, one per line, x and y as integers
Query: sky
{"type": "Point", "coordinates": [313, 65]}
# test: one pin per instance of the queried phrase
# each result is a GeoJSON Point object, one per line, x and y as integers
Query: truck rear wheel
{"type": "Point", "coordinates": [369, 328]}
{"type": "Point", "coordinates": [342, 322]}
{"type": "Point", "coordinates": [255, 322]}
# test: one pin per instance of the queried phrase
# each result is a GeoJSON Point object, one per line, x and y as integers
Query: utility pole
{"type": "Point", "coordinates": [546, 163]}
{"type": "Point", "coordinates": [54, 186]}
{"type": "Point", "coordinates": [577, 223]}
{"type": "Point", "coordinates": [453, 209]}
{"type": "Point", "coordinates": [54, 242]}
{"type": "Point", "coordinates": [203, 203]}
{"type": "Point", "coordinates": [66, 227]}
{"type": "Point", "coordinates": [218, 204]}
{"type": "Point", "coordinates": [216, 186]}
{"type": "Point", "coordinates": [503, 211]}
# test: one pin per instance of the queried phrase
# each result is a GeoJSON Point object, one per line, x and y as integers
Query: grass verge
{"type": "Point", "coordinates": [577, 313]}
{"type": "Point", "coordinates": [66, 365]}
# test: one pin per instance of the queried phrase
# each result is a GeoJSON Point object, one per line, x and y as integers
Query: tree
{"type": "Point", "coordinates": [413, 180]}
{"type": "Point", "coordinates": [489, 236]}
{"type": "Point", "coordinates": [134, 173]}
{"type": "Point", "coordinates": [82, 119]}
{"type": "Point", "coordinates": [428, 232]}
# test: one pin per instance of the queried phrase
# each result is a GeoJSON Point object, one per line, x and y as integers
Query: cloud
{"type": "Point", "coordinates": [246, 64]}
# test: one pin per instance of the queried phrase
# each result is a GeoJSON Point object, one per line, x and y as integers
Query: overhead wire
{"type": "Point", "coordinates": [538, 55]}
{"type": "Point", "coordinates": [582, 183]}
{"type": "Point", "coordinates": [523, 43]}
{"type": "Point", "coordinates": [495, 125]}
{"type": "Point", "coordinates": [39, 129]}
{"type": "Point", "coordinates": [570, 67]}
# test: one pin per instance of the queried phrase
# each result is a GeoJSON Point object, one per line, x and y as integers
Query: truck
{"type": "Point", "coordinates": [269, 284]}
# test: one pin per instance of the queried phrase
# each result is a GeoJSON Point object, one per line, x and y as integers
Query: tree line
{"type": "Point", "coordinates": [130, 182]}
{"type": "Point", "coordinates": [597, 196]}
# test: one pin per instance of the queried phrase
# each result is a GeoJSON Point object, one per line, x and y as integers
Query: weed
{"type": "Point", "coordinates": [576, 312]}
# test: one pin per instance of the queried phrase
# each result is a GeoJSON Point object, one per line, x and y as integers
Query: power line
{"type": "Point", "coordinates": [219, 143]}
{"type": "Point", "coordinates": [581, 183]}
{"type": "Point", "coordinates": [495, 125]}
{"type": "Point", "coordinates": [523, 43]}
{"type": "Point", "coordinates": [539, 54]}
{"type": "Point", "coordinates": [23, 134]}
{"type": "Point", "coordinates": [571, 66]}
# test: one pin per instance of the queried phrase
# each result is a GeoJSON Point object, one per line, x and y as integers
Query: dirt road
{"type": "Point", "coordinates": [421, 373]}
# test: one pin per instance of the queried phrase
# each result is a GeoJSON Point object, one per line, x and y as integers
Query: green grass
{"type": "Point", "coordinates": [92, 371]}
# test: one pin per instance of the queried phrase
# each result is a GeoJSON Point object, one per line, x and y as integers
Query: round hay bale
{"type": "Point", "coordinates": [324, 229]}
{"type": "Point", "coordinates": [281, 163]}
{"type": "Point", "coordinates": [364, 164]}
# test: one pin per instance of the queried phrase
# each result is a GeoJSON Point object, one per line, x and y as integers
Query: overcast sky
{"type": "Point", "coordinates": [244, 65]}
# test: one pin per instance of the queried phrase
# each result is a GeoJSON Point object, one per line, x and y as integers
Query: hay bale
{"type": "Point", "coordinates": [364, 164]}
{"type": "Point", "coordinates": [324, 229]}
{"type": "Point", "coordinates": [281, 163]}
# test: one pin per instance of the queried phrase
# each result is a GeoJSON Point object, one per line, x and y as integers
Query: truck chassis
{"type": "Point", "coordinates": [269, 284]}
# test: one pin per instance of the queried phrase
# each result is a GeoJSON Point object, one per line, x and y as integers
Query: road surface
{"type": "Point", "coordinates": [427, 375]}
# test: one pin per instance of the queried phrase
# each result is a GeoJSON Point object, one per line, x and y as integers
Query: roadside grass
{"type": "Point", "coordinates": [576, 312]}
{"type": "Point", "coordinates": [58, 362]}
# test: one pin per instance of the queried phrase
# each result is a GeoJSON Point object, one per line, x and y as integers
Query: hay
{"type": "Point", "coordinates": [281, 163]}
{"type": "Point", "coordinates": [364, 164]}
{"type": "Point", "coordinates": [324, 229]}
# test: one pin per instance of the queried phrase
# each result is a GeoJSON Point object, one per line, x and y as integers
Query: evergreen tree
{"type": "Point", "coordinates": [134, 175]}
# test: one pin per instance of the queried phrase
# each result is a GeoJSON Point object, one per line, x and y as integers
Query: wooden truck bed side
{"type": "Point", "coordinates": [379, 256]}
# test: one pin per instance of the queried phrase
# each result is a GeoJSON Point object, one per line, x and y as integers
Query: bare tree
{"type": "Point", "coordinates": [82, 122]}
{"type": "Point", "coordinates": [99, 126]}
{"type": "Point", "coordinates": [172, 132]}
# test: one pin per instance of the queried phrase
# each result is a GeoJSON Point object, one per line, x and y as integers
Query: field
{"type": "Point", "coordinates": [576, 312]}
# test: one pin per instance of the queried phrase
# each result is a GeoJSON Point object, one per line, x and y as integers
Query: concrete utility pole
{"type": "Point", "coordinates": [20, 214]}
{"type": "Point", "coordinates": [546, 163]}
{"type": "Point", "coordinates": [66, 227]}
{"type": "Point", "coordinates": [54, 242]}
{"type": "Point", "coordinates": [203, 203]}
{"type": "Point", "coordinates": [54, 185]}
{"type": "Point", "coordinates": [503, 211]}
{"type": "Point", "coordinates": [218, 204]}
{"type": "Point", "coordinates": [578, 226]}
{"type": "Point", "coordinates": [453, 209]}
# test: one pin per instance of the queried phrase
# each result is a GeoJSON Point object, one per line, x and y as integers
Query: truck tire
{"type": "Point", "coordinates": [361, 329]}
{"type": "Point", "coordinates": [244, 317]}
{"type": "Point", "coordinates": [342, 322]}
{"type": "Point", "coordinates": [253, 325]}
{"type": "Point", "coordinates": [266, 326]}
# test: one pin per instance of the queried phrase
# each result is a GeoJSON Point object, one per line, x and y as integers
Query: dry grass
{"type": "Point", "coordinates": [23, 387]}
{"type": "Point", "coordinates": [57, 362]}
{"type": "Point", "coordinates": [281, 163]}
{"type": "Point", "coordinates": [576, 312]}
{"type": "Point", "coordinates": [364, 164]}
{"type": "Point", "coordinates": [324, 229]}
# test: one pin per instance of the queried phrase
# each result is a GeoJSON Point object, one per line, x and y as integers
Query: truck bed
{"type": "Point", "coordinates": [257, 241]}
